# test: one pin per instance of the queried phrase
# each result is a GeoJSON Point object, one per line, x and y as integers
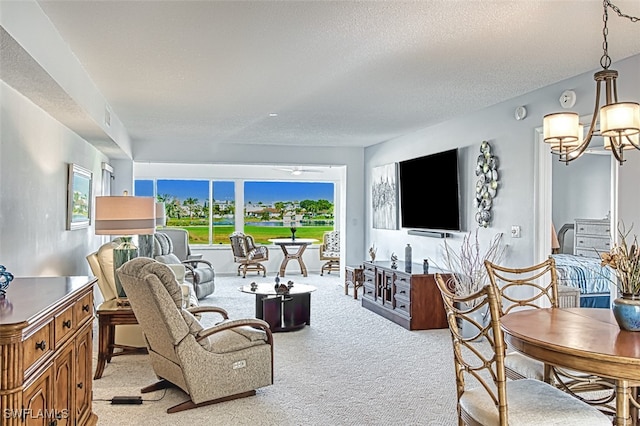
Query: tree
{"type": "Point", "coordinates": [191, 205]}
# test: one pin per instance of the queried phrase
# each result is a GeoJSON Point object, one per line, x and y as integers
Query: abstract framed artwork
{"type": "Point", "coordinates": [78, 197]}
{"type": "Point", "coordinates": [385, 196]}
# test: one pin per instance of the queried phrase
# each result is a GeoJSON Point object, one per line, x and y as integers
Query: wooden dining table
{"type": "Point", "coordinates": [583, 339]}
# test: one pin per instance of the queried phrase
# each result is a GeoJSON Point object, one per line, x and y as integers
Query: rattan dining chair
{"type": "Point", "coordinates": [536, 287]}
{"type": "Point", "coordinates": [492, 399]}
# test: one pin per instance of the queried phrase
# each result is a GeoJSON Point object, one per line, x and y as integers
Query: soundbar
{"type": "Point", "coordinates": [423, 233]}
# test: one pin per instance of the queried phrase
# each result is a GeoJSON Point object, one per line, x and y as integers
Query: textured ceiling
{"type": "Point", "coordinates": [337, 73]}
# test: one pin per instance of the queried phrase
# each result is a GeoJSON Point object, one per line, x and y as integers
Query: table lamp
{"type": "Point", "coordinates": [146, 241]}
{"type": "Point", "coordinates": [124, 216]}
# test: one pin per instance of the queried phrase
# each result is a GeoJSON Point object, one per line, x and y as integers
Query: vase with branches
{"type": "Point", "coordinates": [468, 274]}
{"type": "Point", "coordinates": [624, 261]}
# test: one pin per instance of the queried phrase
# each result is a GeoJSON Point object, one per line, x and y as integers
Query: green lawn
{"type": "Point", "coordinates": [261, 234]}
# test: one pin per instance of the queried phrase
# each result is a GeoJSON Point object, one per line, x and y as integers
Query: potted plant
{"type": "Point", "coordinates": [624, 260]}
{"type": "Point", "coordinates": [468, 274]}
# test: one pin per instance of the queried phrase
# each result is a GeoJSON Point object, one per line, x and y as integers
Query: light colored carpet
{"type": "Point", "coordinates": [350, 367]}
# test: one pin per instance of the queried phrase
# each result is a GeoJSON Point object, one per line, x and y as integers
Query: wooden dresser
{"type": "Point", "coordinates": [46, 351]}
{"type": "Point", "coordinates": [591, 237]}
{"type": "Point", "coordinates": [410, 299]}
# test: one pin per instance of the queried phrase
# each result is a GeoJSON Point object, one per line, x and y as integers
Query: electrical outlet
{"type": "Point", "coordinates": [515, 231]}
{"type": "Point", "coordinates": [240, 364]}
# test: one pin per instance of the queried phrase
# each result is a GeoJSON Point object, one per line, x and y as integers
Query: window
{"type": "Point", "coordinates": [272, 208]}
{"type": "Point", "coordinates": [207, 208]}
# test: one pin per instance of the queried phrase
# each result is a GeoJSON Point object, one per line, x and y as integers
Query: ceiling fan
{"type": "Point", "coordinates": [297, 170]}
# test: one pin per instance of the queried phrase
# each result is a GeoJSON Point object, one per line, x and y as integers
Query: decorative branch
{"type": "Point", "coordinates": [468, 273]}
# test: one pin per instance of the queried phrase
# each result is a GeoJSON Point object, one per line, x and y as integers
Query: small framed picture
{"type": "Point", "coordinates": [79, 203]}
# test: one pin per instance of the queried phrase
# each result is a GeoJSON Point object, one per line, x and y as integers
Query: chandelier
{"type": "Point", "coordinates": [619, 121]}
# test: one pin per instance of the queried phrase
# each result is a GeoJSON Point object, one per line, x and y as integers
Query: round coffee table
{"type": "Point", "coordinates": [282, 311]}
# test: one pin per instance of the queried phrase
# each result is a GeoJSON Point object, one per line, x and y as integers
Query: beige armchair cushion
{"type": "Point", "coordinates": [550, 406]}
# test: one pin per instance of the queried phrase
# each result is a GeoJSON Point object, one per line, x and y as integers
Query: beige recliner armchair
{"type": "Point", "coordinates": [227, 361]}
{"type": "Point", "coordinates": [101, 264]}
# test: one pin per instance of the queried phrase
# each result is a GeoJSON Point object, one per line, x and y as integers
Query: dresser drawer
{"type": "Point", "coordinates": [37, 346]}
{"type": "Point", "coordinates": [587, 253]}
{"type": "Point", "coordinates": [403, 290]}
{"type": "Point", "coordinates": [403, 305]}
{"type": "Point", "coordinates": [83, 309]}
{"type": "Point", "coordinates": [402, 279]}
{"type": "Point", "coordinates": [599, 244]}
{"type": "Point", "coordinates": [64, 324]}
{"type": "Point", "coordinates": [369, 290]}
{"type": "Point", "coordinates": [369, 268]}
{"type": "Point", "coordinates": [593, 228]}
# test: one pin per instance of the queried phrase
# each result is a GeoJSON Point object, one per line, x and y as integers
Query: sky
{"type": "Point", "coordinates": [255, 192]}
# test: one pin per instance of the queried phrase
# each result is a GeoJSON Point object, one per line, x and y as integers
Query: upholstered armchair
{"type": "Point", "coordinates": [199, 272]}
{"type": "Point", "coordinates": [330, 251]}
{"type": "Point", "coordinates": [181, 248]}
{"type": "Point", "coordinates": [226, 361]}
{"type": "Point", "coordinates": [247, 254]}
{"type": "Point", "coordinates": [101, 264]}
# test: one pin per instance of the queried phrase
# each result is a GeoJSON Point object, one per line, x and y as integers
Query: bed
{"type": "Point", "coordinates": [593, 280]}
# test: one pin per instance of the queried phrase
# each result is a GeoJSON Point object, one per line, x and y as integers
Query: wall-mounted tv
{"type": "Point", "coordinates": [430, 192]}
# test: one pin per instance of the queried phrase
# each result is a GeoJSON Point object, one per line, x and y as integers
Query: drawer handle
{"type": "Point", "coordinates": [402, 292]}
{"type": "Point", "coordinates": [42, 345]}
{"type": "Point", "coordinates": [80, 385]}
{"type": "Point", "coordinates": [402, 306]}
{"type": "Point", "coordinates": [85, 308]}
{"type": "Point", "coordinates": [66, 324]}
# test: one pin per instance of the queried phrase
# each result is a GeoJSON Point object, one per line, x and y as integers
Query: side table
{"type": "Point", "coordinates": [110, 314]}
{"type": "Point", "coordinates": [354, 276]}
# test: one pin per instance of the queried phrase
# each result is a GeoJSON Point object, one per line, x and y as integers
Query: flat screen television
{"type": "Point", "coordinates": [430, 192]}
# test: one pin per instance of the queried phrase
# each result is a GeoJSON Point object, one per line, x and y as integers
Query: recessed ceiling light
{"type": "Point", "coordinates": [273, 114]}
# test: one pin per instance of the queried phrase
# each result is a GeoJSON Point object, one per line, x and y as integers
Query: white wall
{"type": "Point", "coordinates": [513, 144]}
{"type": "Point", "coordinates": [35, 150]}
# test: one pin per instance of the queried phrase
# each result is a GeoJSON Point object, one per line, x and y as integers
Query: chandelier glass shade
{"type": "Point", "coordinates": [619, 122]}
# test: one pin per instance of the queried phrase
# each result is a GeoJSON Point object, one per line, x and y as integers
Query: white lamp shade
{"type": "Point", "coordinates": [161, 215]}
{"type": "Point", "coordinates": [622, 118]}
{"type": "Point", "coordinates": [565, 146]}
{"type": "Point", "coordinates": [123, 215]}
{"type": "Point", "coordinates": [562, 127]}
{"type": "Point", "coordinates": [635, 139]}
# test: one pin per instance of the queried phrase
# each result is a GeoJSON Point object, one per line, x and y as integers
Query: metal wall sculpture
{"type": "Point", "coordinates": [487, 184]}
